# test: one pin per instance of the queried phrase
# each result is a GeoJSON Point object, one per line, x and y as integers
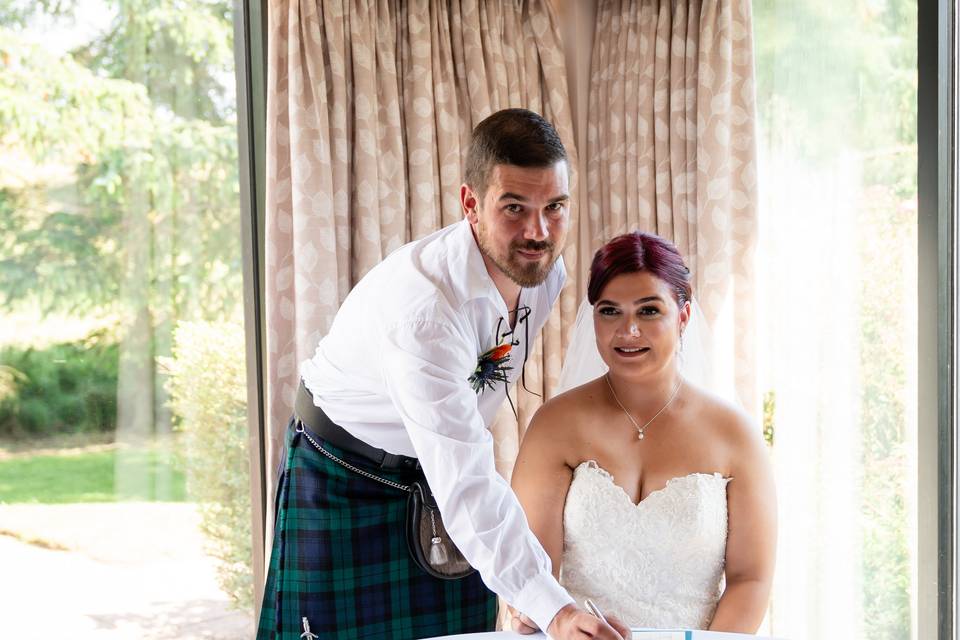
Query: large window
{"type": "Point", "coordinates": [124, 496]}
{"type": "Point", "coordinates": [124, 491]}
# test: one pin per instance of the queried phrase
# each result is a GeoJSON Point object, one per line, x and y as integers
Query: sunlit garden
{"type": "Point", "coordinates": [122, 397]}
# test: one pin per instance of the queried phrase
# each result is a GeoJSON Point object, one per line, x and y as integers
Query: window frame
{"type": "Point", "coordinates": [937, 319]}
{"type": "Point", "coordinates": [250, 53]}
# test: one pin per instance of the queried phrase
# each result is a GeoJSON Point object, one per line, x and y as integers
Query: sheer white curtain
{"type": "Point", "coordinates": [809, 344]}
{"type": "Point", "coordinates": [837, 291]}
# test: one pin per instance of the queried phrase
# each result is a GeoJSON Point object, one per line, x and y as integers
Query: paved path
{"type": "Point", "coordinates": [131, 570]}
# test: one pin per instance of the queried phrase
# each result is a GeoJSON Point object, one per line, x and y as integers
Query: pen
{"type": "Point", "coordinates": [594, 609]}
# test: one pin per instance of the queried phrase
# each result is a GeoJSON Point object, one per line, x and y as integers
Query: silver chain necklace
{"type": "Point", "coordinates": [640, 429]}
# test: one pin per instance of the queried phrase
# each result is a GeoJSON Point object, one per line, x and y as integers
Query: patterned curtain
{"type": "Point", "coordinates": [671, 149]}
{"type": "Point", "coordinates": [369, 111]}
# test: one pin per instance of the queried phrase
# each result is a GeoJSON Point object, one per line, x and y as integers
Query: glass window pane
{"type": "Point", "coordinates": [124, 474]}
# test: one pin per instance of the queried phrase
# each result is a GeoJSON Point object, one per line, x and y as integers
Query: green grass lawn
{"type": "Point", "coordinates": [111, 475]}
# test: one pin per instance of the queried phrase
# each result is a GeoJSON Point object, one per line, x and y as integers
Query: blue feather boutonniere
{"type": "Point", "coordinates": [491, 368]}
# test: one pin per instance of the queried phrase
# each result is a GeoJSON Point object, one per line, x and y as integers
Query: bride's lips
{"type": "Point", "coordinates": [631, 352]}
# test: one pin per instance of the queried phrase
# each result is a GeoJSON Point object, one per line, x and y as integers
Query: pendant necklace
{"type": "Point", "coordinates": [640, 430]}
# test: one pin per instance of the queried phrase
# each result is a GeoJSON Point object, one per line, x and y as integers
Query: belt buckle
{"type": "Point", "coordinates": [396, 461]}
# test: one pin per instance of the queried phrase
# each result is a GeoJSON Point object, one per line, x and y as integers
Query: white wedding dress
{"type": "Point", "coordinates": [657, 564]}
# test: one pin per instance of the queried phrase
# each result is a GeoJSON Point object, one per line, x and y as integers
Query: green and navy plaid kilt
{"type": "Point", "coordinates": [340, 559]}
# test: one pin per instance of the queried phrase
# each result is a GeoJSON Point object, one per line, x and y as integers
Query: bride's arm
{"type": "Point", "coordinates": [541, 477]}
{"type": "Point", "coordinates": [751, 535]}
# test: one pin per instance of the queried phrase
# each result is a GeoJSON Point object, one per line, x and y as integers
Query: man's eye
{"type": "Point", "coordinates": [514, 208]}
{"type": "Point", "coordinates": [555, 206]}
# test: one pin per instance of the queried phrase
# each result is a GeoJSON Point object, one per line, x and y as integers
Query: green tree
{"type": "Point", "coordinates": [101, 160]}
{"type": "Point", "coordinates": [127, 192]}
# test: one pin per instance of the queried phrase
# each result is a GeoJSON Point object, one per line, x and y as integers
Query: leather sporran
{"type": "Point", "coordinates": [429, 543]}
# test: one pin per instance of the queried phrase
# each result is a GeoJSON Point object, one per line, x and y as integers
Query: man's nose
{"type": "Point", "coordinates": [536, 228]}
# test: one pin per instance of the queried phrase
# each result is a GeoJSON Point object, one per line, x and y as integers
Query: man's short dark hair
{"type": "Point", "coordinates": [512, 136]}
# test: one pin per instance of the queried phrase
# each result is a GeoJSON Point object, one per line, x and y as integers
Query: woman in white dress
{"type": "Point", "coordinates": [652, 497]}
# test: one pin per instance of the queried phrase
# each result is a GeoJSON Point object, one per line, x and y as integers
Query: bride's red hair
{"type": "Point", "coordinates": [638, 251]}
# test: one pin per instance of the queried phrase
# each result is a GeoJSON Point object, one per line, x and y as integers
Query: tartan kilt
{"type": "Point", "coordinates": [340, 559]}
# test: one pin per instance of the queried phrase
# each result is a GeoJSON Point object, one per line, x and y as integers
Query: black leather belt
{"type": "Point", "coordinates": [319, 426]}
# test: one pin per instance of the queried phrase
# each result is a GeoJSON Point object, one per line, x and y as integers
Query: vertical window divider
{"type": "Point", "coordinates": [937, 321]}
{"type": "Point", "coordinates": [250, 19]}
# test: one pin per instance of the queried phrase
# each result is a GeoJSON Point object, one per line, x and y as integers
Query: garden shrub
{"type": "Point", "coordinates": [63, 388]}
{"type": "Point", "coordinates": [207, 387]}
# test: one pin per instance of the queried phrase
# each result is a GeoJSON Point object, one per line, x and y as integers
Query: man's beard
{"type": "Point", "coordinates": [524, 272]}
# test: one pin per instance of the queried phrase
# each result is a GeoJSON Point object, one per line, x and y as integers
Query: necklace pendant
{"type": "Point", "coordinates": [640, 435]}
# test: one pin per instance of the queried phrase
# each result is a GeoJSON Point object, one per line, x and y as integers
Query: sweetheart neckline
{"type": "Point", "coordinates": [594, 465]}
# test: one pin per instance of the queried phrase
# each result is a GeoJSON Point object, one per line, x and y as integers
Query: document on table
{"type": "Point", "coordinates": [638, 634]}
{"type": "Point", "coordinates": [689, 634]}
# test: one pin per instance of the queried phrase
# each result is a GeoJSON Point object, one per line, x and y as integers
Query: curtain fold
{"type": "Point", "coordinates": [370, 108]}
{"type": "Point", "coordinates": [671, 149]}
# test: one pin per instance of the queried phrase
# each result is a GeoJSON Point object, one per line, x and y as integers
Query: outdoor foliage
{"type": "Point", "coordinates": [110, 195]}
{"type": "Point", "coordinates": [207, 387]}
{"type": "Point", "coordinates": [61, 388]}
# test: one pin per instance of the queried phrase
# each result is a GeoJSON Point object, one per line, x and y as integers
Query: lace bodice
{"type": "Point", "coordinates": [656, 564]}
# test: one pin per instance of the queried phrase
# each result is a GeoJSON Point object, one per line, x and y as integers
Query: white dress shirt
{"type": "Point", "coordinates": [393, 372]}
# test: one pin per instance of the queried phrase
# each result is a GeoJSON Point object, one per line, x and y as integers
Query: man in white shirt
{"type": "Point", "coordinates": [406, 382]}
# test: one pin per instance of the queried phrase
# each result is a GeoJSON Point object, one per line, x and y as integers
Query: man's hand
{"type": "Point", "coordinates": [521, 623]}
{"type": "Point", "coordinates": [571, 623]}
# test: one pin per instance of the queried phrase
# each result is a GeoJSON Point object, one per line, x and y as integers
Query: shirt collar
{"type": "Point", "coordinates": [477, 283]}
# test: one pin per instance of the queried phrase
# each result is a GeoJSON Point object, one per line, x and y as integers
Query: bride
{"type": "Point", "coordinates": [652, 497]}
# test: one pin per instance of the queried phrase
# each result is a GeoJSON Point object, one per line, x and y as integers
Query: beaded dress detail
{"type": "Point", "coordinates": [657, 564]}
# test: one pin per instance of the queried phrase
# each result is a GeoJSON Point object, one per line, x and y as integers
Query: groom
{"type": "Point", "coordinates": [405, 384]}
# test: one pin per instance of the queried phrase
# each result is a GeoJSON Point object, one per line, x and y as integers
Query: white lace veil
{"type": "Point", "coordinates": [583, 363]}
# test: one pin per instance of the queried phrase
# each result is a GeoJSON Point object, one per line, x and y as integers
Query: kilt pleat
{"type": "Point", "coordinates": [340, 559]}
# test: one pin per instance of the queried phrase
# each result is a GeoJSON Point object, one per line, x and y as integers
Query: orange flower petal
{"type": "Point", "coordinates": [501, 351]}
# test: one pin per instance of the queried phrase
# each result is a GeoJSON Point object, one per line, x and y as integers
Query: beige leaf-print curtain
{"type": "Point", "coordinates": [369, 111]}
{"type": "Point", "coordinates": [671, 149]}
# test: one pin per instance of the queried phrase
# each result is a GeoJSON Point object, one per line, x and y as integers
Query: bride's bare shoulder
{"type": "Point", "coordinates": [570, 411]}
{"type": "Point", "coordinates": [730, 423]}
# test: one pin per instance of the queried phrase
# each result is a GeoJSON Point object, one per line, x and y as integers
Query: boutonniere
{"type": "Point", "coordinates": [491, 367]}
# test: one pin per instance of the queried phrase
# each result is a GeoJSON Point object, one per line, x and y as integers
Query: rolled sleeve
{"type": "Point", "coordinates": [425, 368]}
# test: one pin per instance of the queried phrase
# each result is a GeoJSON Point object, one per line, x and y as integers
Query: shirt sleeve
{"type": "Point", "coordinates": [426, 364]}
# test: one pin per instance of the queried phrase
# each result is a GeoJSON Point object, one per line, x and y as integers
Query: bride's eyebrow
{"type": "Point", "coordinates": [636, 302]}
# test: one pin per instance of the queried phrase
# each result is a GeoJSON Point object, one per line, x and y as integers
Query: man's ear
{"type": "Point", "coordinates": [469, 203]}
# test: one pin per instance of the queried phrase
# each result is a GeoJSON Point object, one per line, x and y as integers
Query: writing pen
{"type": "Point", "coordinates": [594, 609]}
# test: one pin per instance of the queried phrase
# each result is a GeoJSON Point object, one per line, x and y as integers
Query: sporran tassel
{"type": "Point", "coordinates": [438, 554]}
